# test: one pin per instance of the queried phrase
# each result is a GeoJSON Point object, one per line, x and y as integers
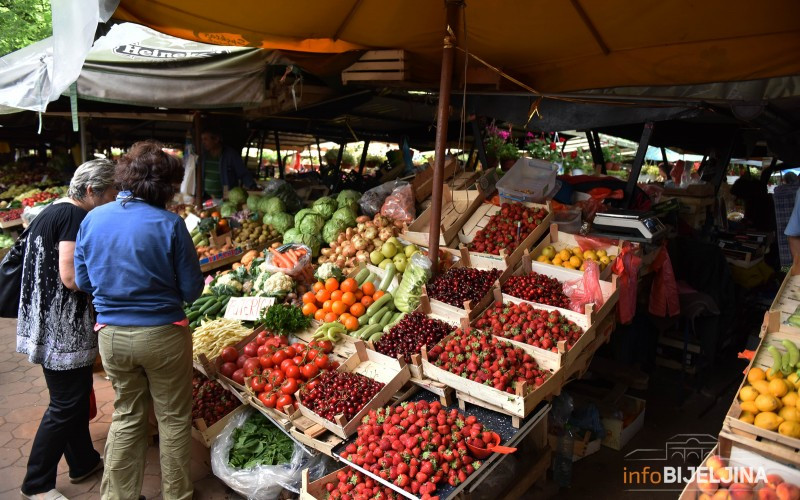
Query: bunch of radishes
{"type": "Point", "coordinates": [524, 323]}
{"type": "Point", "coordinates": [354, 244]}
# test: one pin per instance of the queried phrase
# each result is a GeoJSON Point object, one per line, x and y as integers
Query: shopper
{"type": "Point", "coordinates": [222, 166]}
{"type": "Point", "coordinates": [138, 261]}
{"type": "Point", "coordinates": [54, 329]}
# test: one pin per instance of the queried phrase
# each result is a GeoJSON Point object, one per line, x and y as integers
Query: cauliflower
{"type": "Point", "coordinates": [328, 270]}
{"type": "Point", "coordinates": [227, 284]}
{"type": "Point", "coordinates": [277, 284]}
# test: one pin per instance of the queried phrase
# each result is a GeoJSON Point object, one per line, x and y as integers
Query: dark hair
{"type": "Point", "coordinates": [149, 173]}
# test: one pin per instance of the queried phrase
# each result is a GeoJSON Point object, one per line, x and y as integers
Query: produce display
{"type": "Point", "coordinates": [418, 446]}
{"type": "Point", "coordinates": [771, 398]}
{"type": "Point", "coordinates": [259, 442]}
{"type": "Point", "coordinates": [210, 337]}
{"type": "Point", "coordinates": [339, 393]}
{"type": "Point", "coordinates": [461, 284]}
{"type": "Point", "coordinates": [352, 484]}
{"type": "Point", "coordinates": [507, 228]}
{"type": "Point", "coordinates": [539, 288]}
{"type": "Point", "coordinates": [483, 358]}
{"type": "Point", "coordinates": [574, 258]}
{"type": "Point", "coordinates": [408, 335]}
{"type": "Point", "coordinates": [284, 319]}
{"type": "Point", "coordinates": [524, 323]}
{"type": "Point", "coordinates": [254, 234]}
{"type": "Point", "coordinates": [210, 401]}
{"type": "Point", "coordinates": [718, 483]}
{"type": "Point", "coordinates": [12, 214]}
{"type": "Point", "coordinates": [354, 245]}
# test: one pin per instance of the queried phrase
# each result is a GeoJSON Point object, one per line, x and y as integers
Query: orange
{"type": "Point", "coordinates": [378, 294]}
{"type": "Point", "coordinates": [336, 295]}
{"type": "Point", "coordinates": [368, 288]}
{"type": "Point", "coordinates": [349, 298]}
{"type": "Point", "coordinates": [319, 315]}
{"type": "Point", "coordinates": [339, 307]}
{"type": "Point", "coordinates": [309, 298]}
{"type": "Point", "coordinates": [358, 309]}
{"type": "Point", "coordinates": [349, 285]}
{"type": "Point", "coordinates": [323, 295]}
{"type": "Point", "coordinates": [351, 323]}
{"type": "Point", "coordinates": [309, 309]}
{"type": "Point", "coordinates": [318, 286]}
{"type": "Point", "coordinates": [330, 317]}
{"type": "Point", "coordinates": [327, 306]}
{"type": "Point", "coordinates": [366, 301]}
{"type": "Point", "coordinates": [331, 284]}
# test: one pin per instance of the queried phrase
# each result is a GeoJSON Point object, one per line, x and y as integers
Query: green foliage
{"type": "Point", "coordinates": [23, 22]}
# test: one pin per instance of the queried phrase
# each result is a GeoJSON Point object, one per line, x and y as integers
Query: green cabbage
{"type": "Point", "coordinates": [282, 222]}
{"type": "Point", "coordinates": [331, 230]}
{"type": "Point", "coordinates": [252, 202]}
{"type": "Point", "coordinates": [346, 215]}
{"type": "Point", "coordinates": [290, 235]}
{"type": "Point", "coordinates": [348, 199]}
{"type": "Point", "coordinates": [227, 208]}
{"type": "Point", "coordinates": [309, 221]}
{"type": "Point", "coordinates": [325, 206]}
{"type": "Point", "coordinates": [237, 195]}
{"type": "Point", "coordinates": [274, 206]}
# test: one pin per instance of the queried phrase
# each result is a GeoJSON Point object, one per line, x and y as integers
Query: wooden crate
{"type": "Point", "coordinates": [517, 405]}
{"type": "Point", "coordinates": [481, 218]}
{"type": "Point", "coordinates": [457, 208]}
{"type": "Point", "coordinates": [206, 434]}
{"type": "Point", "coordinates": [563, 241]}
{"type": "Point", "coordinates": [378, 66]}
{"type": "Point", "coordinates": [315, 490]}
{"type": "Point", "coordinates": [394, 373]}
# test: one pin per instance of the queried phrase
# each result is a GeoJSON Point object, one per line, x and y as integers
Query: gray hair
{"type": "Point", "coordinates": [99, 174]}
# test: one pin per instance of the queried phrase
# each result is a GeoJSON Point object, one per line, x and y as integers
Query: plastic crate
{"type": "Point", "coordinates": [529, 180]}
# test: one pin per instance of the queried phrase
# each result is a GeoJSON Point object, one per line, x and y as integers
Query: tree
{"type": "Point", "coordinates": [23, 22]}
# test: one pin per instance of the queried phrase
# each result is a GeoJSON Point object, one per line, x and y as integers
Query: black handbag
{"type": "Point", "coordinates": [11, 278]}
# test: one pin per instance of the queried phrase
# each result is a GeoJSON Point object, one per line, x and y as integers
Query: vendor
{"type": "Point", "coordinates": [222, 166]}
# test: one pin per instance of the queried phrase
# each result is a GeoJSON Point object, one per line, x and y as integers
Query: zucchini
{"type": "Point", "coordinates": [362, 276]}
{"type": "Point", "coordinates": [378, 304]}
{"type": "Point", "coordinates": [388, 277]}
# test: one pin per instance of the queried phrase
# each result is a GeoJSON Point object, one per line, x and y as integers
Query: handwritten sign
{"type": "Point", "coordinates": [247, 308]}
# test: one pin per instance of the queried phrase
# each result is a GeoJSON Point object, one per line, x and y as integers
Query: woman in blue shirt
{"type": "Point", "coordinates": [138, 262]}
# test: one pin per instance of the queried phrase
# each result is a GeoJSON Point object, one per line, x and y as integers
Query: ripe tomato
{"type": "Point", "coordinates": [284, 400]}
{"type": "Point", "coordinates": [289, 386]}
{"type": "Point", "coordinates": [292, 371]}
{"type": "Point", "coordinates": [267, 399]}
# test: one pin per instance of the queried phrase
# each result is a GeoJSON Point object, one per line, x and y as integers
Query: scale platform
{"type": "Point", "coordinates": [631, 225]}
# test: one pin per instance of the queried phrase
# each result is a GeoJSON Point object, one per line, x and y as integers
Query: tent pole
{"type": "Point", "coordinates": [442, 115]}
{"type": "Point", "coordinates": [638, 161]}
{"type": "Point", "coordinates": [198, 149]}
{"type": "Point", "coordinates": [281, 169]}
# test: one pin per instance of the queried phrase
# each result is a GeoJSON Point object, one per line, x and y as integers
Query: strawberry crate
{"type": "Point", "coordinates": [457, 208]}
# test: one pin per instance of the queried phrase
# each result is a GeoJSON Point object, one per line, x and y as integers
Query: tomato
{"type": "Point", "coordinates": [289, 386]}
{"type": "Point", "coordinates": [309, 371]}
{"type": "Point", "coordinates": [292, 371]}
{"type": "Point", "coordinates": [278, 357]}
{"type": "Point", "coordinates": [257, 383]}
{"type": "Point", "coordinates": [229, 354]}
{"type": "Point", "coordinates": [284, 400]}
{"type": "Point", "coordinates": [268, 400]}
{"type": "Point", "coordinates": [266, 361]}
{"type": "Point", "coordinates": [286, 363]}
{"type": "Point", "coordinates": [327, 346]}
{"type": "Point", "coordinates": [321, 361]}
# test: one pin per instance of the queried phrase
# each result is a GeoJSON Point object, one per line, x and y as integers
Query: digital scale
{"type": "Point", "coordinates": [628, 224]}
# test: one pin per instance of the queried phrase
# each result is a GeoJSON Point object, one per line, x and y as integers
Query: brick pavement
{"type": "Point", "coordinates": [23, 400]}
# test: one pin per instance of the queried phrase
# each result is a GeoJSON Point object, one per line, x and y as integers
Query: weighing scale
{"type": "Point", "coordinates": [631, 225]}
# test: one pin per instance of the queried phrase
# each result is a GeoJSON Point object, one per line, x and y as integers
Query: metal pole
{"type": "Point", "coordinates": [363, 158]}
{"type": "Point", "coordinates": [198, 149]}
{"type": "Point", "coordinates": [281, 172]}
{"type": "Point", "coordinates": [442, 115]}
{"type": "Point", "coordinates": [638, 160]}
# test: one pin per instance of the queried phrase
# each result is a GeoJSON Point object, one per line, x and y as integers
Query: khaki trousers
{"type": "Point", "coordinates": [147, 363]}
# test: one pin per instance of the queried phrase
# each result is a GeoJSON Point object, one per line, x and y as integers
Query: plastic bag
{"type": "Point", "coordinates": [417, 273]}
{"type": "Point", "coordinates": [263, 482]}
{"type": "Point", "coordinates": [664, 300]}
{"type": "Point", "coordinates": [626, 267]}
{"type": "Point", "coordinates": [586, 289]}
{"type": "Point", "coordinates": [372, 201]}
{"type": "Point", "coordinates": [301, 271]}
{"type": "Point", "coordinates": [400, 204]}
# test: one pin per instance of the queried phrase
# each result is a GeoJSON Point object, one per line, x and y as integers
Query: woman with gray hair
{"type": "Point", "coordinates": [55, 328]}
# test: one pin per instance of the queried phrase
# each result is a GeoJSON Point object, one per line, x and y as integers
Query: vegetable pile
{"type": "Point", "coordinates": [524, 323]}
{"type": "Point", "coordinates": [210, 401]}
{"type": "Point", "coordinates": [485, 359]}
{"type": "Point", "coordinates": [357, 486]}
{"type": "Point", "coordinates": [417, 446]}
{"type": "Point", "coordinates": [258, 442]}
{"type": "Point", "coordinates": [507, 228]}
{"type": "Point", "coordinates": [284, 319]}
{"type": "Point", "coordinates": [339, 393]}
{"type": "Point", "coordinates": [536, 287]}
{"type": "Point", "coordinates": [212, 336]}
{"type": "Point", "coordinates": [461, 284]}
{"type": "Point", "coordinates": [409, 335]}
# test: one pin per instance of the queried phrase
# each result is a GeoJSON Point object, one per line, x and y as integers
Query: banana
{"type": "Point", "coordinates": [777, 360]}
{"type": "Point", "coordinates": [794, 353]}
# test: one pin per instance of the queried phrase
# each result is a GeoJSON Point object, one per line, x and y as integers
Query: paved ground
{"type": "Point", "coordinates": [23, 400]}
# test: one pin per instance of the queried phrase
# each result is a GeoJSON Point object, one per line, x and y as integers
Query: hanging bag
{"type": "Point", "coordinates": [11, 278]}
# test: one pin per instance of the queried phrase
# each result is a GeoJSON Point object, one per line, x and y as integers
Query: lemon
{"type": "Point", "coordinates": [761, 386]}
{"type": "Point", "coordinates": [767, 403]}
{"type": "Point", "coordinates": [557, 261]}
{"type": "Point", "coordinates": [790, 413]}
{"type": "Point", "coordinates": [576, 262]}
{"type": "Point", "coordinates": [790, 399]}
{"type": "Point", "coordinates": [749, 406]}
{"type": "Point", "coordinates": [767, 420]}
{"type": "Point", "coordinates": [748, 393]}
{"type": "Point", "coordinates": [602, 253]}
{"type": "Point", "coordinates": [755, 373]}
{"type": "Point", "coordinates": [564, 255]}
{"type": "Point", "coordinates": [747, 417]}
{"type": "Point", "coordinates": [777, 387]}
{"type": "Point", "coordinates": [791, 429]}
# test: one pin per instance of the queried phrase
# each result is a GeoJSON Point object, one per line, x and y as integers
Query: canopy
{"type": "Point", "coordinates": [550, 46]}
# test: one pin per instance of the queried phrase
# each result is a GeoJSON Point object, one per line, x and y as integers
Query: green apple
{"type": "Point", "coordinates": [411, 250]}
{"type": "Point", "coordinates": [384, 263]}
{"type": "Point", "coordinates": [400, 262]}
{"type": "Point", "coordinates": [376, 257]}
{"type": "Point", "coordinates": [389, 249]}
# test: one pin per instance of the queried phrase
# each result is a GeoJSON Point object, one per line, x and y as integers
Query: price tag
{"type": "Point", "coordinates": [247, 308]}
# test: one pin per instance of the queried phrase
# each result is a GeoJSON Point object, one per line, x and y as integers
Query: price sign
{"type": "Point", "coordinates": [247, 308]}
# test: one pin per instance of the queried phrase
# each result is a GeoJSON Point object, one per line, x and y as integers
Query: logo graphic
{"type": "Point", "coordinates": [680, 446]}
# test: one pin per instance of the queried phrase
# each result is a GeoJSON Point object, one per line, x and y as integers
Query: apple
{"type": "Point", "coordinates": [400, 262]}
{"type": "Point", "coordinates": [411, 250]}
{"type": "Point", "coordinates": [389, 249]}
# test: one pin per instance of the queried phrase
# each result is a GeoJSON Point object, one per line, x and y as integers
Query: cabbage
{"type": "Point", "coordinates": [274, 206]}
{"type": "Point", "coordinates": [346, 216]}
{"type": "Point", "coordinates": [348, 198]}
{"type": "Point", "coordinates": [325, 206]}
{"type": "Point", "coordinates": [290, 235]}
{"type": "Point", "coordinates": [227, 208]}
{"type": "Point", "coordinates": [312, 241]}
{"type": "Point", "coordinates": [237, 195]}
{"type": "Point", "coordinates": [282, 222]}
{"type": "Point", "coordinates": [331, 230]}
{"type": "Point", "coordinates": [252, 202]}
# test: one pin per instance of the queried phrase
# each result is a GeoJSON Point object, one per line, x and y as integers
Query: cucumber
{"type": "Point", "coordinates": [378, 316]}
{"type": "Point", "coordinates": [362, 276]}
{"type": "Point", "coordinates": [378, 304]}
{"type": "Point", "coordinates": [388, 277]}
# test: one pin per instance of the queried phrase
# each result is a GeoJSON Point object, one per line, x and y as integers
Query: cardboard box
{"type": "Point", "coordinates": [617, 433]}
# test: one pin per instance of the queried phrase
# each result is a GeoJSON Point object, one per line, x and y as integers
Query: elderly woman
{"type": "Point", "coordinates": [138, 261]}
{"type": "Point", "coordinates": [55, 329]}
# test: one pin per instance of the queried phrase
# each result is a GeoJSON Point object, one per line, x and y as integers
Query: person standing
{"type": "Point", "coordinates": [138, 261]}
{"type": "Point", "coordinates": [55, 329]}
{"type": "Point", "coordinates": [222, 166]}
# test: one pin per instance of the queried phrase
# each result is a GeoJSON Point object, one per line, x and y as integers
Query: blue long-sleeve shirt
{"type": "Point", "coordinates": [139, 263]}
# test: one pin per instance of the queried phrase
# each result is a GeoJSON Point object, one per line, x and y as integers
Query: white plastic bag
{"type": "Point", "coordinates": [263, 482]}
